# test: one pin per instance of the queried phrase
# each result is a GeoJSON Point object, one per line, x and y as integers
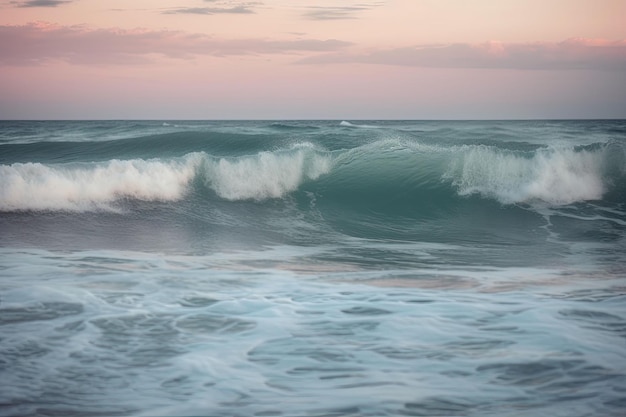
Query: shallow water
{"type": "Point", "coordinates": [109, 333]}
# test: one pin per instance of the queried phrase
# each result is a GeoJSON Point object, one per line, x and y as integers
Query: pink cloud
{"type": "Point", "coordinates": [40, 3]}
{"type": "Point", "coordinates": [39, 42]}
{"type": "Point", "coordinates": [575, 53]}
{"type": "Point", "coordinates": [338, 12]}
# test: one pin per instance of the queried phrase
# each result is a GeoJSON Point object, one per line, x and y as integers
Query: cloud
{"type": "Point", "coordinates": [41, 3]}
{"type": "Point", "coordinates": [575, 53]}
{"type": "Point", "coordinates": [211, 10]}
{"type": "Point", "coordinates": [40, 42]}
{"type": "Point", "coordinates": [221, 7]}
{"type": "Point", "coordinates": [333, 13]}
{"type": "Point", "coordinates": [338, 12]}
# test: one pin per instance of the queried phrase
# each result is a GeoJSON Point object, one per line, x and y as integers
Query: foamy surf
{"type": "Point", "coordinates": [98, 186]}
{"type": "Point", "coordinates": [267, 174]}
{"type": "Point", "coordinates": [546, 176]}
{"type": "Point", "coordinates": [553, 176]}
{"type": "Point", "coordinates": [93, 186]}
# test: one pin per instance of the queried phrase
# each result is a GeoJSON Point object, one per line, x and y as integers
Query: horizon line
{"type": "Point", "coordinates": [311, 119]}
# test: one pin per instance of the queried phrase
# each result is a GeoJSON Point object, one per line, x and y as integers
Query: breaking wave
{"type": "Point", "coordinates": [98, 186]}
{"type": "Point", "coordinates": [267, 174]}
{"type": "Point", "coordinates": [550, 176]}
{"type": "Point", "coordinates": [555, 176]}
{"type": "Point", "coordinates": [92, 186]}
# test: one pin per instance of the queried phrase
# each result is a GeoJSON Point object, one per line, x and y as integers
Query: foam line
{"type": "Point", "coordinates": [555, 176]}
{"type": "Point", "coordinates": [92, 186]}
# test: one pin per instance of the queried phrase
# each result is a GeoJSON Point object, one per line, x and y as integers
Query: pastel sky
{"type": "Point", "coordinates": [305, 59]}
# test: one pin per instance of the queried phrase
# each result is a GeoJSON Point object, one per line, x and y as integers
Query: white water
{"type": "Point", "coordinates": [93, 186]}
{"type": "Point", "coordinates": [98, 186]}
{"type": "Point", "coordinates": [137, 334]}
{"type": "Point", "coordinates": [553, 176]}
{"type": "Point", "coordinates": [556, 176]}
{"type": "Point", "coordinates": [267, 174]}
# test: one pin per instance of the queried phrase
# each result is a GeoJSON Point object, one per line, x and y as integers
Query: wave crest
{"type": "Point", "coordinates": [99, 186]}
{"type": "Point", "coordinates": [345, 123]}
{"type": "Point", "coordinates": [88, 187]}
{"type": "Point", "coordinates": [556, 176]}
{"type": "Point", "coordinates": [393, 172]}
{"type": "Point", "coordinates": [266, 174]}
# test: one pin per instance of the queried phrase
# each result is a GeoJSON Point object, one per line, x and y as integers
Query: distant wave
{"type": "Point", "coordinates": [292, 126]}
{"type": "Point", "coordinates": [354, 125]}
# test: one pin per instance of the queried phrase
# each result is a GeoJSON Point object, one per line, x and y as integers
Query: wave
{"type": "Point", "coordinates": [555, 176]}
{"type": "Point", "coordinates": [98, 186]}
{"type": "Point", "coordinates": [390, 171]}
{"type": "Point", "coordinates": [93, 186]}
{"type": "Point", "coordinates": [151, 146]}
{"type": "Point", "coordinates": [294, 125]}
{"type": "Point", "coordinates": [354, 125]}
{"type": "Point", "coordinates": [266, 174]}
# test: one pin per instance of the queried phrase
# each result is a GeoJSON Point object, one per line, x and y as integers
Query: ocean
{"type": "Point", "coordinates": [313, 268]}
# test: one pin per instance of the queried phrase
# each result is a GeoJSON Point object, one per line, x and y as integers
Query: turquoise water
{"type": "Point", "coordinates": [313, 268]}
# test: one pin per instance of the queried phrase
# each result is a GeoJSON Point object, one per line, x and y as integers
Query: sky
{"type": "Point", "coordinates": [305, 59]}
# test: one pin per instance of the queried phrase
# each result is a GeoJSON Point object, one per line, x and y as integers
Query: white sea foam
{"type": "Point", "coordinates": [166, 334]}
{"type": "Point", "coordinates": [348, 124]}
{"type": "Point", "coordinates": [555, 176]}
{"type": "Point", "coordinates": [98, 186]}
{"type": "Point", "coordinates": [93, 186]}
{"type": "Point", "coordinates": [266, 174]}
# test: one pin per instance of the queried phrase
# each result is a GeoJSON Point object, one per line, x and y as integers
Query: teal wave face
{"type": "Point", "coordinates": [254, 183]}
{"type": "Point", "coordinates": [382, 173]}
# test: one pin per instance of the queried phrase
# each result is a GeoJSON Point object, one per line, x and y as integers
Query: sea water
{"type": "Point", "coordinates": [313, 268]}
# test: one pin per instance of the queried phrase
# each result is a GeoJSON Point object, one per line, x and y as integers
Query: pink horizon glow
{"type": "Point", "coordinates": [230, 59]}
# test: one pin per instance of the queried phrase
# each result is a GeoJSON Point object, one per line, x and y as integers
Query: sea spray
{"type": "Point", "coordinates": [93, 186]}
{"type": "Point", "coordinates": [266, 174]}
{"type": "Point", "coordinates": [554, 176]}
